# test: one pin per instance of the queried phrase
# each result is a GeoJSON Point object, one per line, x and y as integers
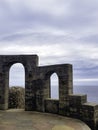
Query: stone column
{"type": "Point", "coordinates": [30, 84]}
{"type": "Point", "coordinates": [4, 89]}
{"type": "Point", "coordinates": [65, 88]}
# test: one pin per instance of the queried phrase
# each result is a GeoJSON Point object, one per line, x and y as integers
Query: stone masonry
{"type": "Point", "coordinates": [37, 89]}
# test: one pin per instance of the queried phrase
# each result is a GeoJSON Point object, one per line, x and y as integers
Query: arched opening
{"type": "Point", "coordinates": [54, 87]}
{"type": "Point", "coordinates": [17, 86]}
{"type": "Point", "coordinates": [17, 75]}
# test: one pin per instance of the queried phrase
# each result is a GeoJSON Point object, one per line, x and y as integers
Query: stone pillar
{"type": "Point", "coordinates": [30, 84]}
{"type": "Point", "coordinates": [65, 88]}
{"type": "Point", "coordinates": [30, 97]}
{"type": "Point", "coordinates": [4, 89]}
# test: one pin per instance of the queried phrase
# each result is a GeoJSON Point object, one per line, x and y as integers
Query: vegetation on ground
{"type": "Point", "coordinates": [16, 97]}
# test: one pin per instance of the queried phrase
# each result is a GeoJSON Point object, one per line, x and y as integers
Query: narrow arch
{"type": "Point", "coordinates": [54, 86]}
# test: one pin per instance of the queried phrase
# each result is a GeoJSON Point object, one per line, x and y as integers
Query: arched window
{"type": "Point", "coordinates": [16, 83]}
{"type": "Point", "coordinates": [17, 75]}
{"type": "Point", "coordinates": [54, 87]}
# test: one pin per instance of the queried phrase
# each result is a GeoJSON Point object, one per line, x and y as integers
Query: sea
{"type": "Point", "coordinates": [90, 91]}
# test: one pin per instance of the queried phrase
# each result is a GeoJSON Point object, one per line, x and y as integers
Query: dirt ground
{"type": "Point", "coordinates": [18, 119]}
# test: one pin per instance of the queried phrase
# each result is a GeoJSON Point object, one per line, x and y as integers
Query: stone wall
{"type": "Point", "coordinates": [52, 106]}
{"type": "Point", "coordinates": [37, 89]}
{"type": "Point", "coordinates": [77, 107]}
{"type": "Point", "coordinates": [29, 62]}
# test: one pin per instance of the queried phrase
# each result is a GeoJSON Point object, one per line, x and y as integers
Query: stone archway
{"type": "Point", "coordinates": [37, 89]}
{"type": "Point", "coordinates": [16, 87]}
{"type": "Point", "coordinates": [6, 61]}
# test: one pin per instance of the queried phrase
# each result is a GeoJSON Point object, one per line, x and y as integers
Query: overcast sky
{"type": "Point", "coordinates": [58, 31]}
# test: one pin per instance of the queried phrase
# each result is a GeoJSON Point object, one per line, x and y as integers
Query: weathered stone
{"type": "Point", "coordinates": [77, 100]}
{"type": "Point", "coordinates": [52, 106]}
{"type": "Point", "coordinates": [37, 89]}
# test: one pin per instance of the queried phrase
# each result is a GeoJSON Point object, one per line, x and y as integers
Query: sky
{"type": "Point", "coordinates": [58, 31]}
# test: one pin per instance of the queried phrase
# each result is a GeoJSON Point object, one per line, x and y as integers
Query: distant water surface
{"type": "Point", "coordinates": [91, 91]}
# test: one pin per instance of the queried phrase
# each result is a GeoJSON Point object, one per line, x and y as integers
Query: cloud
{"type": "Point", "coordinates": [90, 39]}
{"type": "Point", "coordinates": [59, 31]}
{"type": "Point", "coordinates": [58, 14]}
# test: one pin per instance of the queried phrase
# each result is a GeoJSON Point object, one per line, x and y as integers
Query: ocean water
{"type": "Point", "coordinates": [90, 91]}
